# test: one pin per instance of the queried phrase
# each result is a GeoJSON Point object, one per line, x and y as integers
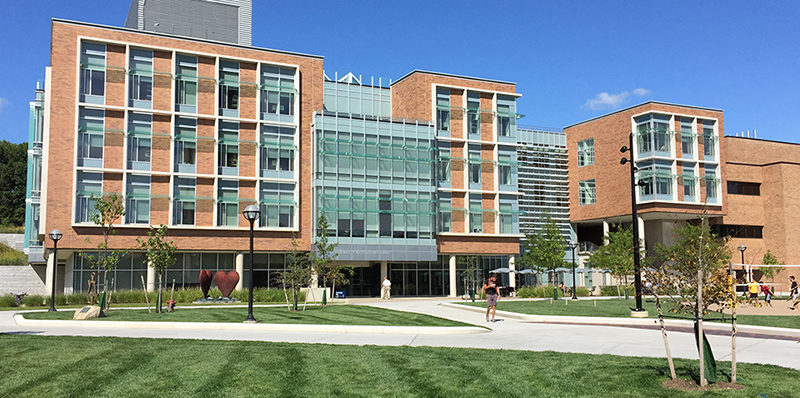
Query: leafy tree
{"type": "Point", "coordinates": [107, 210]}
{"type": "Point", "coordinates": [473, 275]}
{"type": "Point", "coordinates": [770, 272]}
{"type": "Point", "coordinates": [298, 271]}
{"type": "Point", "coordinates": [324, 255]}
{"type": "Point", "coordinates": [616, 255]}
{"type": "Point", "coordinates": [159, 253]}
{"type": "Point", "coordinates": [544, 251]}
{"type": "Point", "coordinates": [13, 182]}
{"type": "Point", "coordinates": [694, 272]}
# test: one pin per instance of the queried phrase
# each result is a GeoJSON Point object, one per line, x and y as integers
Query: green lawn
{"type": "Point", "coordinates": [620, 308]}
{"type": "Point", "coordinates": [121, 367]}
{"type": "Point", "coordinates": [318, 315]}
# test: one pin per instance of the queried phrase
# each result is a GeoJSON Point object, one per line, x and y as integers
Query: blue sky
{"type": "Point", "coordinates": [571, 60]}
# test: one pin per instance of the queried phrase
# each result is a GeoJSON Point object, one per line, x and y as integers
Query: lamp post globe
{"type": "Point", "coordinates": [55, 235]}
{"type": "Point", "coordinates": [742, 248]}
{"type": "Point", "coordinates": [251, 213]}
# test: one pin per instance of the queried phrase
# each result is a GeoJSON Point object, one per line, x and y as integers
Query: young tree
{"type": "Point", "coordinates": [545, 250]}
{"type": "Point", "coordinates": [695, 267]}
{"type": "Point", "coordinates": [107, 210]}
{"type": "Point", "coordinates": [324, 255]}
{"type": "Point", "coordinates": [298, 271]}
{"type": "Point", "coordinates": [473, 277]}
{"type": "Point", "coordinates": [616, 255]}
{"type": "Point", "coordinates": [159, 253]}
{"type": "Point", "coordinates": [770, 272]}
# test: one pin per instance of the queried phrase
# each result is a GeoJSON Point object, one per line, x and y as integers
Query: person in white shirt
{"type": "Point", "coordinates": [386, 289]}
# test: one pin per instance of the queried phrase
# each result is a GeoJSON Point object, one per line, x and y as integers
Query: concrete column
{"type": "Point", "coordinates": [384, 270]}
{"type": "Point", "coordinates": [605, 230]}
{"type": "Point", "coordinates": [512, 280]}
{"type": "Point", "coordinates": [68, 277]}
{"type": "Point", "coordinates": [48, 275]}
{"type": "Point", "coordinates": [453, 291]}
{"type": "Point", "coordinates": [151, 278]}
{"type": "Point", "coordinates": [240, 270]}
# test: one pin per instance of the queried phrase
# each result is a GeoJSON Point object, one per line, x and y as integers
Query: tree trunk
{"type": "Point", "coordinates": [699, 318]}
{"type": "Point", "coordinates": [664, 335]}
{"type": "Point", "coordinates": [733, 340]}
{"type": "Point", "coordinates": [333, 286]}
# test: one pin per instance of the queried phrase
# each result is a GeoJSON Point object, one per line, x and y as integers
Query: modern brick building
{"type": "Point", "coordinates": [678, 155]}
{"type": "Point", "coordinates": [413, 175]}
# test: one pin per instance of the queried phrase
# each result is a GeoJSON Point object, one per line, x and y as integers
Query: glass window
{"type": "Point", "coordinates": [443, 109]}
{"type": "Point", "coordinates": [229, 85]}
{"type": "Point", "coordinates": [186, 80]}
{"type": "Point", "coordinates": [689, 182]}
{"type": "Point", "coordinates": [277, 148]}
{"type": "Point", "coordinates": [277, 205]}
{"type": "Point", "coordinates": [277, 90]}
{"type": "Point", "coordinates": [587, 192]}
{"type": "Point", "coordinates": [653, 133]}
{"type": "Point", "coordinates": [474, 164]}
{"type": "Point", "coordinates": [586, 152]}
{"type": "Point", "coordinates": [709, 139]}
{"type": "Point", "coordinates": [228, 144]}
{"type": "Point", "coordinates": [687, 137]}
{"type": "Point", "coordinates": [475, 215]}
{"type": "Point", "coordinates": [88, 184]}
{"type": "Point", "coordinates": [91, 130]}
{"type": "Point", "coordinates": [93, 69]}
{"type": "Point", "coordinates": [503, 120]}
{"type": "Point", "coordinates": [139, 133]}
{"type": "Point", "coordinates": [137, 202]}
{"type": "Point", "coordinates": [473, 113]}
{"type": "Point", "coordinates": [227, 203]}
{"type": "Point", "coordinates": [712, 184]}
{"type": "Point", "coordinates": [184, 201]}
{"type": "Point", "coordinates": [141, 75]}
{"type": "Point", "coordinates": [185, 141]}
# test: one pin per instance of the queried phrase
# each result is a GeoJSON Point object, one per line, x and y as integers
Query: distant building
{"type": "Point", "coordinates": [219, 20]}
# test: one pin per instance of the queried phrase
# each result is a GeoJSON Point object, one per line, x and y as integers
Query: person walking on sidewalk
{"type": "Point", "coordinates": [386, 289]}
{"type": "Point", "coordinates": [491, 296]}
{"type": "Point", "coordinates": [793, 293]}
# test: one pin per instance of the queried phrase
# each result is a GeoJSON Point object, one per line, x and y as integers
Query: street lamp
{"type": "Point", "coordinates": [55, 235]}
{"type": "Point", "coordinates": [251, 213]}
{"type": "Point", "coordinates": [742, 248]}
{"type": "Point", "coordinates": [636, 268]}
{"type": "Point", "coordinates": [573, 245]}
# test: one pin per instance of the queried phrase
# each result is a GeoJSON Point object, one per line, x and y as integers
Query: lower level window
{"type": "Point", "coordinates": [184, 212]}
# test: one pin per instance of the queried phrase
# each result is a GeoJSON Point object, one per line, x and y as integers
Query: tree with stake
{"type": "Point", "coordinates": [159, 253]}
{"type": "Point", "coordinates": [107, 210]}
{"type": "Point", "coordinates": [544, 251]}
{"type": "Point", "coordinates": [695, 267]}
{"type": "Point", "coordinates": [298, 271]}
{"type": "Point", "coordinates": [770, 272]}
{"type": "Point", "coordinates": [324, 254]}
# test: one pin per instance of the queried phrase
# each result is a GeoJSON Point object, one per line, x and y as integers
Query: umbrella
{"type": "Point", "coordinates": [527, 271]}
{"type": "Point", "coordinates": [582, 270]}
{"type": "Point", "coordinates": [561, 269]}
{"type": "Point", "coordinates": [503, 270]}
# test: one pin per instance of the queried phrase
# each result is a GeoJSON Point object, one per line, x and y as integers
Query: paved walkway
{"type": "Point", "coordinates": [510, 333]}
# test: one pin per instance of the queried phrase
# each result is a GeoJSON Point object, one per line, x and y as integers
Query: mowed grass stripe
{"type": "Point", "coordinates": [113, 367]}
{"type": "Point", "coordinates": [315, 315]}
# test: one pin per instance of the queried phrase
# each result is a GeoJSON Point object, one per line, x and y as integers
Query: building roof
{"type": "Point", "coordinates": [643, 104]}
{"type": "Point", "coordinates": [451, 75]}
{"type": "Point", "coordinates": [187, 38]}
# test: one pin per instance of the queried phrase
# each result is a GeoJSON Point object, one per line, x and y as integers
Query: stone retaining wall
{"type": "Point", "coordinates": [16, 241]}
{"type": "Point", "coordinates": [19, 279]}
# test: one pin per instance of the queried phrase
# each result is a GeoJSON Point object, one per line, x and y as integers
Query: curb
{"type": "Point", "coordinates": [264, 327]}
{"type": "Point", "coordinates": [604, 321]}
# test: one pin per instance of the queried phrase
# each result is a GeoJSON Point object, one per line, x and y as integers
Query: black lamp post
{"type": "Point", "coordinates": [251, 213]}
{"type": "Point", "coordinates": [55, 235]}
{"type": "Point", "coordinates": [573, 246]}
{"type": "Point", "coordinates": [636, 268]}
{"type": "Point", "coordinates": [742, 248]}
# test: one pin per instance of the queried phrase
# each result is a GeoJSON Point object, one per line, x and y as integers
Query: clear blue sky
{"type": "Point", "coordinates": [571, 60]}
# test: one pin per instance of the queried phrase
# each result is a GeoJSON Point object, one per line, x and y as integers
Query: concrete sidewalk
{"type": "Point", "coordinates": [510, 333]}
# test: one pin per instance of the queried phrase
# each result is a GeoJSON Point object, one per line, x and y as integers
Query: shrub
{"type": "Point", "coordinates": [11, 229]}
{"type": "Point", "coordinates": [35, 301]}
{"type": "Point", "coordinates": [11, 256]}
{"type": "Point", "coordinates": [612, 290]}
{"type": "Point", "coordinates": [8, 300]}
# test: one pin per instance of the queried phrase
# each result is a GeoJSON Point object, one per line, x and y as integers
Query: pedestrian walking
{"type": "Point", "coordinates": [752, 287]}
{"type": "Point", "coordinates": [793, 293]}
{"type": "Point", "coordinates": [492, 292]}
{"type": "Point", "coordinates": [386, 289]}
